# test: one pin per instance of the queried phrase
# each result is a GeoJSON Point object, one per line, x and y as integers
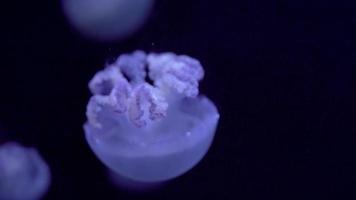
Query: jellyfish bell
{"type": "Point", "coordinates": [24, 175]}
{"type": "Point", "coordinates": [162, 153]}
{"type": "Point", "coordinates": [107, 20]}
{"type": "Point", "coordinates": [133, 186]}
{"type": "Point", "coordinates": [150, 133]}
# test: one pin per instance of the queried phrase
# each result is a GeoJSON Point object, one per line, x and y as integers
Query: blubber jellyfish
{"type": "Point", "coordinates": [146, 119]}
{"type": "Point", "coordinates": [107, 20]}
{"type": "Point", "coordinates": [24, 175]}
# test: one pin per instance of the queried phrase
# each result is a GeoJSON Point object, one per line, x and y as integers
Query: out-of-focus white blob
{"type": "Point", "coordinates": [23, 173]}
{"type": "Point", "coordinates": [107, 20]}
{"type": "Point", "coordinates": [149, 133]}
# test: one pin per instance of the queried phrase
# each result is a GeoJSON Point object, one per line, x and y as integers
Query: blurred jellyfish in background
{"type": "Point", "coordinates": [107, 20]}
{"type": "Point", "coordinates": [2, 135]}
{"type": "Point", "coordinates": [146, 119]}
{"type": "Point", "coordinates": [24, 175]}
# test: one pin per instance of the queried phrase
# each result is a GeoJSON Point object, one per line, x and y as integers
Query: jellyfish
{"type": "Point", "coordinates": [24, 175]}
{"type": "Point", "coordinates": [107, 20]}
{"type": "Point", "coordinates": [146, 120]}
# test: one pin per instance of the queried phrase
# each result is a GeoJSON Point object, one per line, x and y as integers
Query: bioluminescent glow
{"type": "Point", "coordinates": [23, 173]}
{"type": "Point", "coordinates": [146, 119]}
{"type": "Point", "coordinates": [107, 20]}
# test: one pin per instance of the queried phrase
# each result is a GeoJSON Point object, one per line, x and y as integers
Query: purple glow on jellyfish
{"type": "Point", "coordinates": [150, 132]}
{"type": "Point", "coordinates": [107, 20]}
{"type": "Point", "coordinates": [23, 173]}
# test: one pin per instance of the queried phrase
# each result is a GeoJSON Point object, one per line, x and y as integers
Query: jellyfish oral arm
{"type": "Point", "coordinates": [173, 77]}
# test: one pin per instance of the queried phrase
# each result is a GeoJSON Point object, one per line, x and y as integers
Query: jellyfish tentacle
{"type": "Point", "coordinates": [147, 104]}
{"type": "Point", "coordinates": [157, 64]}
{"type": "Point", "coordinates": [192, 66]}
{"type": "Point", "coordinates": [159, 106]}
{"type": "Point", "coordinates": [179, 73]}
{"type": "Point", "coordinates": [103, 81]}
{"type": "Point", "coordinates": [120, 94]}
{"type": "Point", "coordinates": [95, 106]}
{"type": "Point", "coordinates": [133, 66]}
{"type": "Point", "coordinates": [121, 86]}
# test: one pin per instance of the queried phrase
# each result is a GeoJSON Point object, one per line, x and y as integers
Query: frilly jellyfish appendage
{"type": "Point", "coordinates": [146, 119]}
{"type": "Point", "coordinates": [24, 175]}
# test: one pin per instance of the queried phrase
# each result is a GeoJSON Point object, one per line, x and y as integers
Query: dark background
{"type": "Point", "coordinates": [281, 72]}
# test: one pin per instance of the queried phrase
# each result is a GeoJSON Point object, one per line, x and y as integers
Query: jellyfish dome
{"type": "Point", "coordinates": [23, 173]}
{"type": "Point", "coordinates": [146, 119]}
{"type": "Point", "coordinates": [107, 20]}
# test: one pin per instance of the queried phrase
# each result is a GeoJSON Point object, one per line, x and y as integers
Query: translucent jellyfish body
{"type": "Point", "coordinates": [146, 119]}
{"type": "Point", "coordinates": [23, 173]}
{"type": "Point", "coordinates": [107, 20]}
